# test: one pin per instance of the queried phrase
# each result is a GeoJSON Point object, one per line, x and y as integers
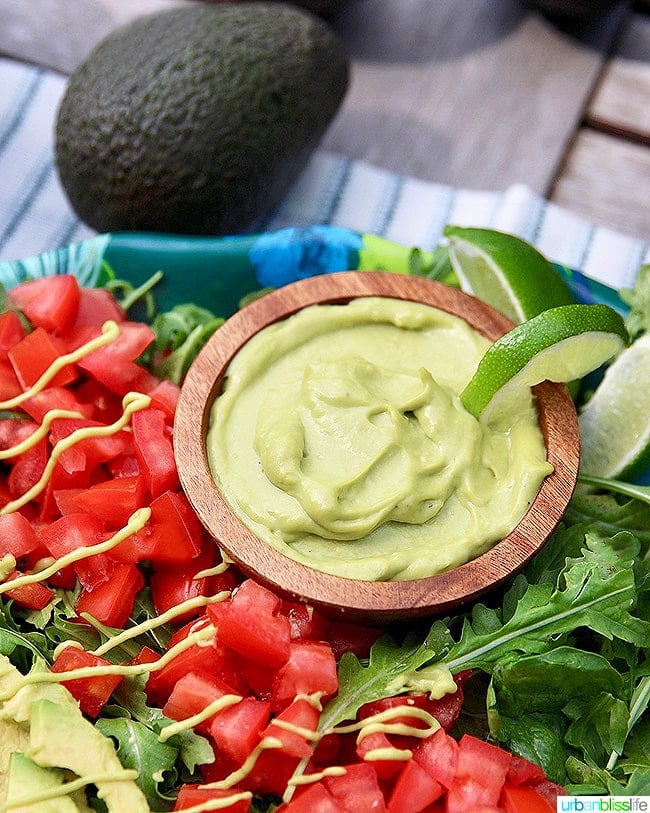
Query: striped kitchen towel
{"type": "Point", "coordinates": [35, 215]}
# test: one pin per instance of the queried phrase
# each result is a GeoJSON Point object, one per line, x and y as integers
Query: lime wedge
{"type": "Point", "coordinates": [615, 422]}
{"type": "Point", "coordinates": [506, 272]}
{"type": "Point", "coordinates": [559, 344]}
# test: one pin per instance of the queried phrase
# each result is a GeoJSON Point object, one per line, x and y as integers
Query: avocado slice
{"type": "Point", "coordinates": [44, 723]}
{"type": "Point", "coordinates": [26, 779]}
{"type": "Point", "coordinates": [197, 120]}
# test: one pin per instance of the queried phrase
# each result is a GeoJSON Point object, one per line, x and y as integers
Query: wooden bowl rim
{"type": "Point", "coordinates": [357, 600]}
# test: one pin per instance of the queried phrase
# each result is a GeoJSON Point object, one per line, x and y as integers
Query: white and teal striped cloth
{"type": "Point", "coordinates": [36, 217]}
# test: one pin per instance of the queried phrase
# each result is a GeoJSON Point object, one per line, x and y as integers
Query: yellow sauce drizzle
{"type": "Point", "coordinates": [219, 804]}
{"type": "Point", "coordinates": [160, 620]}
{"type": "Point", "coordinates": [66, 788]}
{"type": "Point", "coordinates": [310, 778]}
{"type": "Point", "coordinates": [241, 773]}
{"type": "Point", "coordinates": [116, 669]}
{"type": "Point", "coordinates": [136, 522]}
{"type": "Point", "coordinates": [306, 733]}
{"type": "Point", "coordinates": [393, 754]}
{"type": "Point", "coordinates": [381, 722]}
{"type": "Point", "coordinates": [217, 570]}
{"type": "Point", "coordinates": [132, 402]}
{"type": "Point", "coordinates": [189, 722]}
{"type": "Point", "coordinates": [110, 332]}
{"type": "Point", "coordinates": [7, 566]}
{"type": "Point", "coordinates": [50, 416]}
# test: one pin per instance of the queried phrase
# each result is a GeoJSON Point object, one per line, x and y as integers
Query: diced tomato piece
{"type": "Point", "coordinates": [28, 469]}
{"type": "Point", "coordinates": [438, 754]}
{"type": "Point", "coordinates": [300, 716]}
{"type": "Point", "coordinates": [378, 741]}
{"type": "Point", "coordinates": [253, 628]}
{"type": "Point", "coordinates": [9, 384]}
{"type": "Point", "coordinates": [34, 354]}
{"type": "Point", "coordinates": [315, 799]}
{"type": "Point", "coordinates": [517, 798]}
{"type": "Point", "coordinates": [191, 796]}
{"type": "Point", "coordinates": [11, 332]}
{"type": "Point", "coordinates": [113, 501]}
{"type": "Point", "coordinates": [164, 396]}
{"type": "Point", "coordinates": [17, 536]}
{"type": "Point", "coordinates": [111, 601]}
{"type": "Point", "coordinates": [195, 659]}
{"type": "Point", "coordinates": [89, 452]}
{"type": "Point", "coordinates": [305, 621]}
{"type": "Point", "coordinates": [311, 669]}
{"type": "Point", "coordinates": [522, 770]}
{"type": "Point", "coordinates": [70, 533]}
{"type": "Point", "coordinates": [174, 533]}
{"type": "Point", "coordinates": [480, 774]}
{"type": "Point", "coordinates": [106, 405]}
{"type": "Point", "coordinates": [48, 302]}
{"type": "Point", "coordinates": [192, 694]}
{"type": "Point", "coordinates": [96, 306]}
{"type": "Point", "coordinates": [236, 729]}
{"type": "Point", "coordinates": [153, 448]}
{"type": "Point", "coordinates": [92, 693]}
{"type": "Point", "coordinates": [345, 637]}
{"type": "Point", "coordinates": [414, 789]}
{"type": "Point", "coordinates": [15, 430]}
{"type": "Point", "coordinates": [358, 789]}
{"type": "Point", "coordinates": [114, 364]}
{"type": "Point", "coordinates": [55, 398]}
{"type": "Point", "coordinates": [171, 585]}
{"type": "Point", "coordinates": [31, 596]}
{"type": "Point", "coordinates": [548, 790]}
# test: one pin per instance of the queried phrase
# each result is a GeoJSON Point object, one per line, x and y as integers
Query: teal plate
{"type": "Point", "coordinates": [217, 272]}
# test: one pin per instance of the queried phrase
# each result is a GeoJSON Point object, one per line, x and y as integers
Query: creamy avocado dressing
{"type": "Point", "coordinates": [341, 441]}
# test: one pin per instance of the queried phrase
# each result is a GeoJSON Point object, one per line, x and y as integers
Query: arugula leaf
{"type": "Point", "coordinates": [180, 334]}
{"type": "Point", "coordinates": [638, 298]}
{"type": "Point", "coordinates": [138, 747]}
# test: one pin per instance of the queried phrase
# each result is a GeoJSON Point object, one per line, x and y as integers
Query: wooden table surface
{"type": "Point", "coordinates": [478, 94]}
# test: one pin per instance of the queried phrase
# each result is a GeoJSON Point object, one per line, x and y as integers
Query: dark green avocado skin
{"type": "Point", "coordinates": [199, 119]}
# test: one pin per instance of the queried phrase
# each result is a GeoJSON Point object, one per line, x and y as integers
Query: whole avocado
{"type": "Point", "coordinates": [199, 119]}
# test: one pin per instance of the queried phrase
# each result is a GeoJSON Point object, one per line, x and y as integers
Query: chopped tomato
{"type": "Point", "coordinates": [113, 501]}
{"type": "Point", "coordinates": [11, 332]}
{"type": "Point", "coordinates": [414, 789]}
{"type": "Point", "coordinates": [253, 627]}
{"type": "Point", "coordinates": [300, 716]}
{"type": "Point", "coordinates": [515, 798]}
{"type": "Point", "coordinates": [196, 796]}
{"type": "Point", "coordinates": [34, 354]}
{"type": "Point", "coordinates": [33, 596]}
{"type": "Point", "coordinates": [193, 692]}
{"type": "Point", "coordinates": [480, 774]}
{"type": "Point", "coordinates": [315, 799]}
{"type": "Point", "coordinates": [311, 669]}
{"type": "Point", "coordinates": [111, 601]}
{"type": "Point", "coordinates": [97, 306]}
{"type": "Point", "coordinates": [357, 789]}
{"type": "Point", "coordinates": [48, 302]}
{"type": "Point", "coordinates": [92, 693]}
{"type": "Point", "coordinates": [236, 729]}
{"type": "Point", "coordinates": [438, 754]}
{"type": "Point", "coordinates": [17, 536]}
{"type": "Point", "coordinates": [113, 365]}
{"type": "Point", "coordinates": [153, 448]}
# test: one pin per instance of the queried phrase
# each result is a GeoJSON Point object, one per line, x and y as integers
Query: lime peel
{"type": "Point", "coordinates": [560, 344]}
{"type": "Point", "coordinates": [505, 271]}
{"type": "Point", "coordinates": [615, 422]}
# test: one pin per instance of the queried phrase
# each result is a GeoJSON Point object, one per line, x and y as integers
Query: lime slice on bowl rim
{"type": "Point", "coordinates": [506, 272]}
{"type": "Point", "coordinates": [615, 421]}
{"type": "Point", "coordinates": [560, 344]}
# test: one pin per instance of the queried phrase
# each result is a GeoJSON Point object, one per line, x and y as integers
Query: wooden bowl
{"type": "Point", "coordinates": [355, 600]}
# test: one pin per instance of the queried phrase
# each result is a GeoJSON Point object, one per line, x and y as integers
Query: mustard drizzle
{"type": "Point", "coordinates": [110, 332]}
